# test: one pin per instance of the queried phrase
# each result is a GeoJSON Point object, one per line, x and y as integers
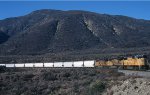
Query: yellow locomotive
{"type": "Point", "coordinates": [139, 61]}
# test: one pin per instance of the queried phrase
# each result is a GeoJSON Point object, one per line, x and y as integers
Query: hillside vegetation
{"type": "Point", "coordinates": [57, 81]}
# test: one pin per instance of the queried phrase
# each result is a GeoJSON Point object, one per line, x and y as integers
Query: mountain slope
{"type": "Point", "coordinates": [48, 31]}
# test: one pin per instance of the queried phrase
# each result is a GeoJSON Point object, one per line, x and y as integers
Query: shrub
{"type": "Point", "coordinates": [2, 69]}
{"type": "Point", "coordinates": [76, 87]}
{"type": "Point", "coordinates": [48, 76]}
{"type": "Point", "coordinates": [96, 88]}
{"type": "Point", "coordinates": [66, 74]}
{"type": "Point", "coordinates": [27, 77]}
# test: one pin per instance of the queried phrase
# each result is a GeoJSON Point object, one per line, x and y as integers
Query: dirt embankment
{"type": "Point", "coordinates": [132, 86]}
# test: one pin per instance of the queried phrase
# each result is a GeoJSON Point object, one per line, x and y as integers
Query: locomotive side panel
{"type": "Point", "coordinates": [134, 62]}
{"type": "Point", "coordinates": [124, 62]}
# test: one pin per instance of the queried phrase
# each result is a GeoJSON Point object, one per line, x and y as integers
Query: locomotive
{"type": "Point", "coordinates": [131, 62]}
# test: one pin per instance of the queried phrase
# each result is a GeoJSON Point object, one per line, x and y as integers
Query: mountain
{"type": "Point", "coordinates": [52, 31]}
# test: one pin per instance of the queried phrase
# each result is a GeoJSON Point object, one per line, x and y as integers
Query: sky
{"type": "Point", "coordinates": [136, 9]}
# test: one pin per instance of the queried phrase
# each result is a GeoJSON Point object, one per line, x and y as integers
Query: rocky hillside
{"type": "Point", "coordinates": [51, 31]}
{"type": "Point", "coordinates": [131, 86]}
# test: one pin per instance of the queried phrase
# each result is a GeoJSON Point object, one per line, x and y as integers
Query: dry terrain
{"type": "Point", "coordinates": [56, 81]}
{"type": "Point", "coordinates": [70, 81]}
{"type": "Point", "coordinates": [132, 86]}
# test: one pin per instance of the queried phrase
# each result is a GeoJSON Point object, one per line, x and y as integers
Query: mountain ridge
{"type": "Point", "coordinates": [52, 31]}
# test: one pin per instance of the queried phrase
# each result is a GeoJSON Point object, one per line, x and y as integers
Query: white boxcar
{"type": "Point", "coordinates": [68, 64]}
{"type": "Point", "coordinates": [89, 63]}
{"type": "Point", "coordinates": [78, 63]}
{"type": "Point", "coordinates": [10, 65]}
{"type": "Point", "coordinates": [19, 65]}
{"type": "Point", "coordinates": [58, 64]}
{"type": "Point", "coordinates": [38, 64]}
{"type": "Point", "coordinates": [29, 64]}
{"type": "Point", "coordinates": [48, 64]}
{"type": "Point", "coordinates": [2, 65]}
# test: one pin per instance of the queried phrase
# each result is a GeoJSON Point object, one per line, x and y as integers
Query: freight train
{"type": "Point", "coordinates": [130, 62]}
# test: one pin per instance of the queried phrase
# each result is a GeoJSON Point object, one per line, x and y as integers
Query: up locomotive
{"type": "Point", "coordinates": [132, 62]}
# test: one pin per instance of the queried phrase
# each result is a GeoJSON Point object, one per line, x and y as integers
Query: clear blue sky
{"type": "Point", "coordinates": [136, 9]}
